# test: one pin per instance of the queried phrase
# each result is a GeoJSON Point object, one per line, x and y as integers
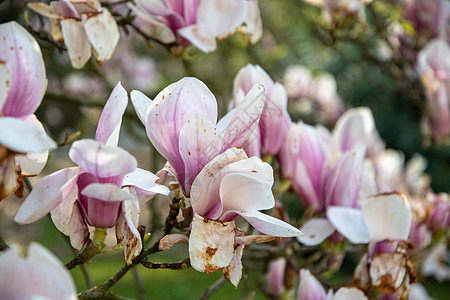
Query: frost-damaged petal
{"type": "Point", "coordinates": [243, 192]}
{"type": "Point", "coordinates": [349, 293]}
{"type": "Point", "coordinates": [199, 143]}
{"type": "Point", "coordinates": [101, 160]}
{"type": "Point", "coordinates": [221, 17]}
{"type": "Point", "coordinates": [387, 216]}
{"type": "Point", "coordinates": [316, 230]}
{"type": "Point", "coordinates": [248, 239]}
{"type": "Point", "coordinates": [108, 127]}
{"type": "Point", "coordinates": [28, 79]}
{"type": "Point", "coordinates": [131, 210]}
{"type": "Point", "coordinates": [233, 272]}
{"type": "Point", "coordinates": [77, 42]}
{"type": "Point", "coordinates": [169, 240]}
{"type": "Point", "coordinates": [5, 82]}
{"type": "Point", "coordinates": [310, 287]}
{"type": "Point", "coordinates": [47, 194]}
{"type": "Point", "coordinates": [349, 222]}
{"type": "Point", "coordinates": [39, 275]}
{"type": "Point", "coordinates": [388, 271]}
{"type": "Point", "coordinates": [45, 10]}
{"type": "Point", "coordinates": [103, 34]}
{"type": "Point", "coordinates": [211, 244]}
{"type": "Point", "coordinates": [145, 183]}
{"type": "Point", "coordinates": [244, 120]}
{"type": "Point", "coordinates": [205, 188]}
{"type": "Point", "coordinates": [269, 225]}
{"type": "Point", "coordinates": [141, 104]}
{"type": "Point", "coordinates": [105, 192]}
{"type": "Point", "coordinates": [23, 137]}
{"type": "Point", "coordinates": [170, 110]}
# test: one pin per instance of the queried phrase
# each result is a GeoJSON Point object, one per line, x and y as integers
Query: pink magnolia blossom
{"type": "Point", "coordinates": [84, 26]}
{"type": "Point", "coordinates": [231, 185]}
{"type": "Point", "coordinates": [24, 144]}
{"type": "Point", "coordinates": [311, 289]}
{"type": "Point", "coordinates": [38, 275]}
{"type": "Point", "coordinates": [101, 191]}
{"type": "Point", "coordinates": [181, 123]}
{"type": "Point", "coordinates": [434, 69]}
{"type": "Point", "coordinates": [275, 120]}
{"type": "Point", "coordinates": [198, 22]}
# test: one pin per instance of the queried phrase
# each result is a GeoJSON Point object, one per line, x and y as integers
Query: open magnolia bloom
{"type": "Point", "coordinates": [310, 288]}
{"type": "Point", "coordinates": [434, 69]}
{"type": "Point", "coordinates": [384, 222]}
{"type": "Point", "coordinates": [84, 26]}
{"type": "Point", "coordinates": [198, 22]}
{"type": "Point", "coordinates": [336, 10]}
{"type": "Point", "coordinates": [275, 121]}
{"type": "Point", "coordinates": [38, 275]}
{"type": "Point", "coordinates": [24, 144]}
{"type": "Point", "coordinates": [101, 191]}
{"type": "Point", "coordinates": [181, 123]}
{"type": "Point", "coordinates": [231, 185]}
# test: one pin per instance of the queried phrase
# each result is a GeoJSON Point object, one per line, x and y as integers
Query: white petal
{"type": "Point", "coordinates": [47, 194]}
{"type": "Point", "coordinates": [349, 222]}
{"type": "Point", "coordinates": [145, 183]}
{"type": "Point", "coordinates": [105, 192]}
{"type": "Point", "coordinates": [200, 36]}
{"type": "Point", "coordinates": [349, 293]}
{"type": "Point", "coordinates": [211, 244]}
{"type": "Point", "coordinates": [131, 210]}
{"type": "Point", "coordinates": [77, 43]}
{"type": "Point", "coordinates": [233, 272]}
{"type": "Point", "coordinates": [103, 34]}
{"type": "Point", "coordinates": [5, 82]}
{"type": "Point", "coordinates": [387, 216]}
{"type": "Point", "coordinates": [20, 136]}
{"type": "Point", "coordinates": [269, 225]}
{"type": "Point", "coordinates": [141, 104]}
{"type": "Point", "coordinates": [316, 230]}
{"type": "Point", "coordinates": [169, 240]}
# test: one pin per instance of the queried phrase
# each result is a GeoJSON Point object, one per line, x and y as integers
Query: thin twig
{"type": "Point", "coordinates": [180, 265]}
{"type": "Point", "coordinates": [214, 287]}
{"type": "Point", "coordinates": [89, 251]}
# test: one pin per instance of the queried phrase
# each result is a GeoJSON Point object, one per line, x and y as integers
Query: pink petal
{"type": "Point", "coordinates": [101, 160]}
{"type": "Point", "coordinates": [141, 104]}
{"type": "Point", "coordinates": [38, 275]}
{"type": "Point", "coordinates": [247, 77]}
{"type": "Point", "coordinates": [26, 65]}
{"type": "Point", "coordinates": [388, 216]}
{"type": "Point", "coordinates": [205, 191]}
{"type": "Point", "coordinates": [349, 222]}
{"type": "Point", "coordinates": [316, 230]}
{"type": "Point", "coordinates": [199, 143]}
{"type": "Point", "coordinates": [77, 42]}
{"type": "Point", "coordinates": [23, 137]}
{"type": "Point", "coordinates": [240, 191]}
{"type": "Point", "coordinates": [244, 119]}
{"type": "Point", "coordinates": [289, 151]}
{"type": "Point", "coordinates": [221, 18]}
{"type": "Point", "coordinates": [170, 110]}
{"type": "Point", "coordinates": [103, 34]}
{"type": "Point", "coordinates": [145, 183]}
{"type": "Point", "coordinates": [47, 194]}
{"type": "Point", "coordinates": [310, 287]}
{"type": "Point", "coordinates": [108, 127]}
{"type": "Point", "coordinates": [304, 186]}
{"type": "Point", "coordinates": [5, 82]}
{"type": "Point", "coordinates": [269, 225]}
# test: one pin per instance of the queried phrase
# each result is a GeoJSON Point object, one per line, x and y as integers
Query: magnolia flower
{"type": "Point", "coordinates": [84, 26]}
{"type": "Point", "coordinates": [323, 92]}
{"type": "Point", "coordinates": [101, 191]}
{"type": "Point", "coordinates": [181, 123]}
{"type": "Point", "coordinates": [198, 22]}
{"type": "Point", "coordinates": [24, 144]}
{"type": "Point", "coordinates": [335, 10]}
{"type": "Point", "coordinates": [275, 120]}
{"type": "Point", "coordinates": [297, 80]}
{"type": "Point", "coordinates": [38, 275]}
{"type": "Point", "coordinates": [231, 185]}
{"type": "Point", "coordinates": [384, 222]}
{"type": "Point", "coordinates": [434, 69]}
{"type": "Point", "coordinates": [275, 276]}
{"type": "Point", "coordinates": [310, 288]}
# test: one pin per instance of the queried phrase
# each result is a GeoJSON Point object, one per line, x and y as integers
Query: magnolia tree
{"type": "Point", "coordinates": [309, 187]}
